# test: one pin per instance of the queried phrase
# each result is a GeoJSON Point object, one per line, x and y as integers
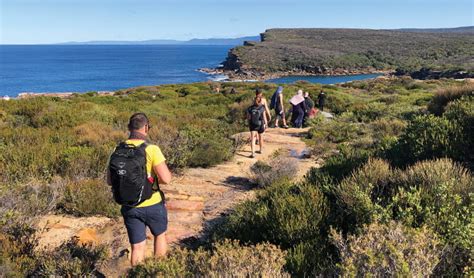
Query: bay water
{"type": "Point", "coordinates": [84, 68]}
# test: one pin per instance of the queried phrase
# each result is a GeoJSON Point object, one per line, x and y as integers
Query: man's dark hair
{"type": "Point", "coordinates": [258, 91]}
{"type": "Point", "coordinates": [137, 121]}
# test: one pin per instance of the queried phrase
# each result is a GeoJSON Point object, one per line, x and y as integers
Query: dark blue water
{"type": "Point", "coordinates": [83, 68]}
{"type": "Point", "coordinates": [58, 68]}
{"type": "Point", "coordinates": [323, 79]}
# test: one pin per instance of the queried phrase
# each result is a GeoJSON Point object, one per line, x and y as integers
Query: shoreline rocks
{"type": "Point", "coordinates": [254, 75]}
{"type": "Point", "coordinates": [60, 94]}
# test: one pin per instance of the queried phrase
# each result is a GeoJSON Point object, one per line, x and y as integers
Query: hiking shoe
{"type": "Point", "coordinates": [259, 152]}
{"type": "Point", "coordinates": [286, 127]}
{"type": "Point", "coordinates": [252, 156]}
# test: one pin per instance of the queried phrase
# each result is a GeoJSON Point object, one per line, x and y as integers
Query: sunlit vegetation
{"type": "Point", "coordinates": [394, 195]}
{"type": "Point", "coordinates": [320, 51]}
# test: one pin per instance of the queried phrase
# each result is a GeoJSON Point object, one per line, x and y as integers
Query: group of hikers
{"type": "Point", "coordinates": [259, 116]}
{"type": "Point", "coordinates": [136, 167]}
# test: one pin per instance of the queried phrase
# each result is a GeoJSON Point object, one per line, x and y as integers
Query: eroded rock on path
{"type": "Point", "coordinates": [194, 199]}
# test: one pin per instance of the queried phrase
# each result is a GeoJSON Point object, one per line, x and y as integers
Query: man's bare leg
{"type": "Point", "coordinates": [161, 246]}
{"type": "Point", "coordinates": [138, 253]}
{"type": "Point", "coordinates": [260, 141]}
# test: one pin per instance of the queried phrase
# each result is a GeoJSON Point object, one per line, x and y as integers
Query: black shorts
{"type": "Point", "coordinates": [279, 113]}
{"type": "Point", "coordinates": [260, 128]}
{"type": "Point", "coordinates": [137, 219]}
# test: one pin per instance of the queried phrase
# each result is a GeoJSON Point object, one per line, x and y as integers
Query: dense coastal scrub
{"type": "Point", "coordinates": [394, 195]}
{"type": "Point", "coordinates": [54, 150]}
{"type": "Point", "coordinates": [390, 165]}
{"type": "Point", "coordinates": [285, 51]}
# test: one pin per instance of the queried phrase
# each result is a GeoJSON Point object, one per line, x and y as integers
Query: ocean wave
{"type": "Point", "coordinates": [218, 77]}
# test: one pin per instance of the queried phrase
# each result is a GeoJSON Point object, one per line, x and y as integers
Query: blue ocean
{"type": "Point", "coordinates": [83, 68]}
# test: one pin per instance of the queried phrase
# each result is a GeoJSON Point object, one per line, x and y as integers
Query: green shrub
{"type": "Point", "coordinates": [461, 112]}
{"type": "Point", "coordinates": [338, 102]}
{"type": "Point", "coordinates": [89, 197]}
{"type": "Point", "coordinates": [30, 199]}
{"type": "Point", "coordinates": [439, 194]}
{"type": "Point", "coordinates": [290, 215]}
{"type": "Point", "coordinates": [209, 146]}
{"type": "Point", "coordinates": [370, 112]}
{"type": "Point", "coordinates": [425, 137]}
{"type": "Point", "coordinates": [384, 128]}
{"type": "Point", "coordinates": [79, 162]}
{"type": "Point", "coordinates": [56, 116]}
{"type": "Point", "coordinates": [209, 152]}
{"type": "Point", "coordinates": [388, 250]}
{"type": "Point", "coordinates": [448, 94]}
{"type": "Point", "coordinates": [22, 257]}
{"type": "Point", "coordinates": [95, 134]}
{"type": "Point", "coordinates": [227, 258]}
{"type": "Point", "coordinates": [428, 137]}
{"type": "Point", "coordinates": [338, 130]}
{"type": "Point", "coordinates": [17, 247]}
{"type": "Point", "coordinates": [358, 194]}
{"type": "Point", "coordinates": [173, 265]}
{"type": "Point", "coordinates": [175, 145]}
{"type": "Point", "coordinates": [344, 162]}
{"type": "Point", "coordinates": [71, 259]}
{"type": "Point", "coordinates": [278, 169]}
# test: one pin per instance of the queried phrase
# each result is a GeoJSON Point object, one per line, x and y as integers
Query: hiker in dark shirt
{"type": "Point", "coordinates": [257, 119]}
{"type": "Point", "coordinates": [259, 93]}
{"type": "Point", "coordinates": [309, 106]}
{"type": "Point", "coordinates": [277, 104]}
{"type": "Point", "coordinates": [298, 109]}
{"type": "Point", "coordinates": [321, 100]}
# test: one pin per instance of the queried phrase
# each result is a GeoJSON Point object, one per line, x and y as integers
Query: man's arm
{"type": "Point", "coordinates": [163, 173]}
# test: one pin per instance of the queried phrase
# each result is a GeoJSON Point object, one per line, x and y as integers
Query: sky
{"type": "Point", "coordinates": [53, 21]}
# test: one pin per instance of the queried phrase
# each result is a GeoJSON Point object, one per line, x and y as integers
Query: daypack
{"type": "Point", "coordinates": [127, 168]}
{"type": "Point", "coordinates": [273, 101]}
{"type": "Point", "coordinates": [256, 115]}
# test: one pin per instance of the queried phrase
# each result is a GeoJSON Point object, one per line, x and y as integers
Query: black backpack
{"type": "Point", "coordinates": [127, 168]}
{"type": "Point", "coordinates": [273, 101]}
{"type": "Point", "coordinates": [255, 115]}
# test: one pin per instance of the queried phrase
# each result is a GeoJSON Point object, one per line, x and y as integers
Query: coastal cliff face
{"type": "Point", "coordinates": [348, 51]}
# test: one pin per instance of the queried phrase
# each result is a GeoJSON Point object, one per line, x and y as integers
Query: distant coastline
{"type": "Point", "coordinates": [211, 41]}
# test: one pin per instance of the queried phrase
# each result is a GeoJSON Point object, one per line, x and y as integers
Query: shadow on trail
{"type": "Point", "coordinates": [240, 183]}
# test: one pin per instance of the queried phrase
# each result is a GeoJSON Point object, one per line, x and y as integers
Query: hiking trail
{"type": "Point", "coordinates": [195, 199]}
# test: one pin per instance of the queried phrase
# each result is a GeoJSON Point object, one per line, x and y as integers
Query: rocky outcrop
{"type": "Point", "coordinates": [232, 62]}
{"type": "Point", "coordinates": [425, 73]}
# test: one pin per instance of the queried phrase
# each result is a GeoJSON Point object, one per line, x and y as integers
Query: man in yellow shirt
{"type": "Point", "coordinates": [152, 211]}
